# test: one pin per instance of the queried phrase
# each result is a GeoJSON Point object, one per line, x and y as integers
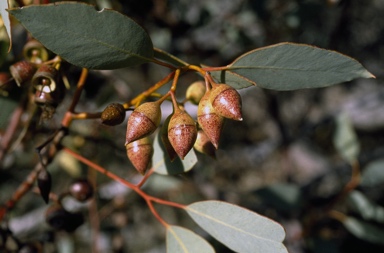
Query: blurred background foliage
{"type": "Point", "coordinates": [280, 161]}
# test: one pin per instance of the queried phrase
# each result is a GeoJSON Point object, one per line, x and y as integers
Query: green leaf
{"type": "Point", "coordinates": [167, 57]}
{"type": "Point", "coordinates": [367, 209]}
{"type": "Point", "coordinates": [86, 37]}
{"type": "Point", "coordinates": [5, 17]}
{"type": "Point", "coordinates": [345, 139]}
{"type": "Point", "coordinates": [288, 66]}
{"type": "Point", "coordinates": [364, 230]}
{"type": "Point", "coordinates": [373, 174]}
{"type": "Point", "coordinates": [282, 196]}
{"type": "Point", "coordinates": [163, 165]}
{"type": "Point", "coordinates": [238, 228]}
{"type": "Point", "coordinates": [183, 240]}
{"type": "Point", "coordinates": [232, 79]}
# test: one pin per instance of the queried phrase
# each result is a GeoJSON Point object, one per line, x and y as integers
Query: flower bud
{"type": "Point", "coordinates": [182, 132]}
{"type": "Point", "coordinates": [143, 121]}
{"type": "Point", "coordinates": [164, 138]}
{"type": "Point", "coordinates": [140, 152]}
{"type": "Point", "coordinates": [113, 114]}
{"type": "Point", "coordinates": [204, 145]}
{"type": "Point", "coordinates": [22, 72]}
{"type": "Point", "coordinates": [44, 182]}
{"type": "Point", "coordinates": [195, 92]}
{"type": "Point", "coordinates": [226, 101]}
{"type": "Point", "coordinates": [209, 120]}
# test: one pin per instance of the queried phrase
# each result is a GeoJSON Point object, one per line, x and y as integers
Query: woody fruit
{"type": "Point", "coordinates": [143, 121]}
{"type": "Point", "coordinates": [182, 132]}
{"type": "Point", "coordinates": [140, 152]}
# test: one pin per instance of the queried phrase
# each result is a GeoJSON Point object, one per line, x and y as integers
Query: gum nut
{"type": "Point", "coordinates": [140, 152]}
{"type": "Point", "coordinates": [195, 92]}
{"type": "Point", "coordinates": [182, 133]}
{"type": "Point", "coordinates": [143, 121]}
{"type": "Point", "coordinates": [209, 120]}
{"type": "Point", "coordinates": [204, 145]}
{"type": "Point", "coordinates": [226, 101]}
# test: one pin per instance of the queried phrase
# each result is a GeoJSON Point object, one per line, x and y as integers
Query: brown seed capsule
{"type": "Point", "coordinates": [204, 145]}
{"type": "Point", "coordinates": [195, 92]}
{"type": "Point", "coordinates": [209, 120]}
{"type": "Point", "coordinates": [140, 152]}
{"type": "Point", "coordinates": [22, 72]}
{"type": "Point", "coordinates": [45, 78]}
{"type": "Point", "coordinates": [35, 52]}
{"type": "Point", "coordinates": [113, 114]}
{"type": "Point", "coordinates": [226, 101]}
{"type": "Point", "coordinates": [143, 121]}
{"type": "Point", "coordinates": [182, 132]}
{"type": "Point", "coordinates": [81, 190]}
{"type": "Point", "coordinates": [164, 138]}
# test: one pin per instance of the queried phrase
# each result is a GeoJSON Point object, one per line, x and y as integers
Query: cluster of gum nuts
{"type": "Point", "coordinates": [180, 132]}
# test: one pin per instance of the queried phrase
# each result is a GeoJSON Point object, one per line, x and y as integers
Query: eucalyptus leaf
{"type": "Point", "coordinates": [238, 228]}
{"type": "Point", "coordinates": [345, 139]}
{"type": "Point", "coordinates": [367, 209]}
{"type": "Point", "coordinates": [289, 66]}
{"type": "Point", "coordinates": [232, 79]}
{"type": "Point", "coordinates": [6, 21]}
{"type": "Point", "coordinates": [162, 163]}
{"type": "Point", "coordinates": [364, 230]}
{"type": "Point", "coordinates": [373, 174]}
{"type": "Point", "coordinates": [183, 240]}
{"type": "Point", "coordinates": [86, 37]}
{"type": "Point", "coordinates": [167, 57]}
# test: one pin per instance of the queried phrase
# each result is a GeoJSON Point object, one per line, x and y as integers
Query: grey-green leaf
{"type": "Point", "coordinates": [367, 209]}
{"type": "Point", "coordinates": [182, 240]}
{"type": "Point", "coordinates": [163, 165]}
{"type": "Point", "coordinates": [86, 37]}
{"type": "Point", "coordinates": [345, 139]}
{"type": "Point", "coordinates": [373, 174]}
{"type": "Point", "coordinates": [364, 230]}
{"type": "Point", "coordinates": [239, 229]}
{"type": "Point", "coordinates": [289, 66]}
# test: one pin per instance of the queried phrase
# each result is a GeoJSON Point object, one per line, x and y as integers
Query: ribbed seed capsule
{"type": "Point", "coordinates": [209, 120]}
{"type": "Point", "coordinates": [143, 121]}
{"type": "Point", "coordinates": [35, 52]}
{"type": "Point", "coordinates": [164, 138]}
{"type": "Point", "coordinates": [204, 145]}
{"type": "Point", "coordinates": [182, 132]}
{"type": "Point", "coordinates": [195, 92]}
{"type": "Point", "coordinates": [226, 101]}
{"type": "Point", "coordinates": [45, 79]}
{"type": "Point", "coordinates": [113, 114]}
{"type": "Point", "coordinates": [22, 72]}
{"type": "Point", "coordinates": [140, 152]}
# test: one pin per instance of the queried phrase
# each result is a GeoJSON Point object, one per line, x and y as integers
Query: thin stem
{"type": "Point", "coordinates": [137, 100]}
{"type": "Point", "coordinates": [175, 80]}
{"type": "Point", "coordinates": [164, 64]}
{"type": "Point", "coordinates": [136, 188]}
{"type": "Point", "coordinates": [196, 68]}
{"type": "Point", "coordinates": [79, 89]}
{"type": "Point", "coordinates": [145, 178]}
{"type": "Point", "coordinates": [215, 68]}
